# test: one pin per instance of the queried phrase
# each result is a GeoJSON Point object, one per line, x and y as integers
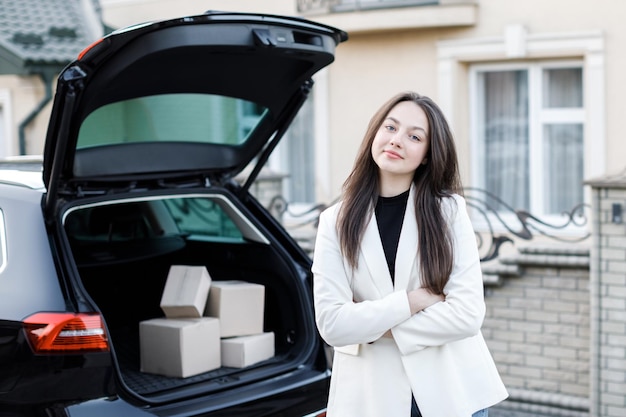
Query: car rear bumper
{"type": "Point", "coordinates": [291, 397]}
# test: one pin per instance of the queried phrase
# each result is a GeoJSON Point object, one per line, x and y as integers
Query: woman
{"type": "Point", "coordinates": [397, 279]}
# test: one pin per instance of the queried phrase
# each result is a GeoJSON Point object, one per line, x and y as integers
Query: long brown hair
{"type": "Point", "coordinates": [437, 179]}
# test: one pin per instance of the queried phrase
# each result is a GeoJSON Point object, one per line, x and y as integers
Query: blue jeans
{"type": "Point", "coordinates": [415, 412]}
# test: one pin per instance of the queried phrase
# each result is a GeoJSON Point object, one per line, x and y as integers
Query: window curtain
{"type": "Point", "coordinates": [300, 145]}
{"type": "Point", "coordinates": [563, 165]}
{"type": "Point", "coordinates": [506, 168]}
{"type": "Point", "coordinates": [563, 88]}
{"type": "Point", "coordinates": [563, 142]}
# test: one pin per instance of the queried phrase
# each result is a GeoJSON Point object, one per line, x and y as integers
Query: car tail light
{"type": "Point", "coordinates": [66, 333]}
{"type": "Point", "coordinates": [89, 48]}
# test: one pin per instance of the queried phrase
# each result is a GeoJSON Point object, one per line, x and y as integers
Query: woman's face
{"type": "Point", "coordinates": [401, 143]}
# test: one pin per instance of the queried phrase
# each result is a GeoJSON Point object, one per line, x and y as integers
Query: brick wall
{"type": "Point", "coordinates": [556, 318]}
{"type": "Point", "coordinates": [608, 300]}
{"type": "Point", "coordinates": [537, 328]}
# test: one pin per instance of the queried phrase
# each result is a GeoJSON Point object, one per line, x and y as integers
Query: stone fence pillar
{"type": "Point", "coordinates": [608, 297]}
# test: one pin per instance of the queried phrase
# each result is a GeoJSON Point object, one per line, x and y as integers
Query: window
{"type": "Point", "coordinates": [350, 5]}
{"type": "Point", "coordinates": [294, 158]}
{"type": "Point", "coordinates": [143, 222]}
{"type": "Point", "coordinates": [528, 129]}
{"type": "Point", "coordinates": [202, 218]}
{"type": "Point", "coordinates": [172, 117]}
{"type": "Point", "coordinates": [249, 115]}
{"type": "Point", "coordinates": [298, 154]}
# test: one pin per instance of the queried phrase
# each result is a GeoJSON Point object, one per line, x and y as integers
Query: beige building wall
{"type": "Point", "coordinates": [389, 51]}
{"type": "Point", "coordinates": [121, 13]}
{"type": "Point", "coordinates": [373, 65]}
{"type": "Point", "coordinates": [370, 68]}
{"type": "Point", "coordinates": [393, 50]}
{"type": "Point", "coordinates": [19, 95]}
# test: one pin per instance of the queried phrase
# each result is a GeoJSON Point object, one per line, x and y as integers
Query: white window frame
{"type": "Point", "coordinates": [538, 116]}
{"type": "Point", "coordinates": [455, 57]}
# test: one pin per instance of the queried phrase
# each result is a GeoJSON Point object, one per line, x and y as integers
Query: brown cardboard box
{"type": "Point", "coordinates": [239, 305]}
{"type": "Point", "coordinates": [179, 347]}
{"type": "Point", "coordinates": [186, 291]}
{"type": "Point", "coordinates": [242, 351]}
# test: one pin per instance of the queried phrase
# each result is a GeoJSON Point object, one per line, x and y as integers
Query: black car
{"type": "Point", "coordinates": [150, 127]}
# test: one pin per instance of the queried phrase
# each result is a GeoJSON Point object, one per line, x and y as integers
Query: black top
{"type": "Point", "coordinates": [390, 215]}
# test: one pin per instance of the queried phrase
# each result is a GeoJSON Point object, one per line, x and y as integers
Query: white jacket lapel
{"type": "Point", "coordinates": [407, 246]}
{"type": "Point", "coordinates": [373, 256]}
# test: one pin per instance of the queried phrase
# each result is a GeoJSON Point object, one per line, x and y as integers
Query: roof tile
{"type": "Point", "coordinates": [48, 31]}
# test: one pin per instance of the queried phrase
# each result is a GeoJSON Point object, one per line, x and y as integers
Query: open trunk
{"type": "Point", "coordinates": [123, 250]}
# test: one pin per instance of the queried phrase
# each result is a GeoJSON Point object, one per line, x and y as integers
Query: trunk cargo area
{"type": "Point", "coordinates": [124, 251]}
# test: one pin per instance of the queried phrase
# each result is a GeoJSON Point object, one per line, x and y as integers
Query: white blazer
{"type": "Point", "coordinates": [438, 354]}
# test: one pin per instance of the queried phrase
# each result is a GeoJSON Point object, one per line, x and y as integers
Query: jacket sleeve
{"type": "Point", "coordinates": [462, 313]}
{"type": "Point", "coordinates": [340, 320]}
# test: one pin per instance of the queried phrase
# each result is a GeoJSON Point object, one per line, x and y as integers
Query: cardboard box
{"type": "Point", "coordinates": [179, 347]}
{"type": "Point", "coordinates": [242, 351]}
{"type": "Point", "coordinates": [239, 305]}
{"type": "Point", "coordinates": [186, 291]}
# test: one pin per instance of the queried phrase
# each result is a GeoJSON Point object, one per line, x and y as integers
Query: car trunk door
{"type": "Point", "coordinates": [196, 98]}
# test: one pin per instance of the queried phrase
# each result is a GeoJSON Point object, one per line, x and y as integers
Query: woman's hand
{"type": "Point", "coordinates": [421, 298]}
{"type": "Point", "coordinates": [418, 300]}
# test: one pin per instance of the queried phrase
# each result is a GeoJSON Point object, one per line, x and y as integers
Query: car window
{"type": "Point", "coordinates": [202, 218]}
{"type": "Point", "coordinates": [176, 117]}
{"type": "Point", "coordinates": [193, 217]}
